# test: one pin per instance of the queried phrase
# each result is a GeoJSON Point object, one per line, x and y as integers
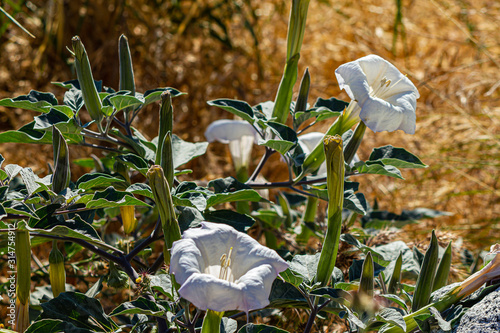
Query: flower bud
{"type": "Point", "coordinates": [62, 172]}
{"type": "Point", "coordinates": [126, 69]}
{"type": "Point", "coordinates": [167, 159]}
{"type": "Point", "coordinates": [57, 273]}
{"type": "Point", "coordinates": [86, 80]}
{"type": "Point", "coordinates": [128, 218]}
{"type": "Point", "coordinates": [163, 199]}
{"type": "Point", "coordinates": [335, 186]}
{"type": "Point", "coordinates": [23, 259]}
{"type": "Point", "coordinates": [166, 122]}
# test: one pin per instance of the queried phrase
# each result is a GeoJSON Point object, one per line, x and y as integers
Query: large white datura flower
{"type": "Point", "coordinates": [385, 99]}
{"type": "Point", "coordinates": [221, 269]}
{"type": "Point", "coordinates": [309, 141]}
{"type": "Point", "coordinates": [240, 136]}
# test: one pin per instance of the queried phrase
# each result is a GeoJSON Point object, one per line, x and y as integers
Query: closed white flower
{"type": "Point", "coordinates": [222, 269]}
{"type": "Point", "coordinates": [385, 99]}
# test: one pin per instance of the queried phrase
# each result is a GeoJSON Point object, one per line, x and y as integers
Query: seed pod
{"type": "Point", "coordinates": [86, 80]}
{"type": "Point", "coordinates": [62, 171]}
{"type": "Point", "coordinates": [163, 199]}
{"type": "Point", "coordinates": [57, 273]}
{"type": "Point", "coordinates": [23, 316]}
{"type": "Point", "coordinates": [128, 218]}
{"type": "Point", "coordinates": [117, 279]}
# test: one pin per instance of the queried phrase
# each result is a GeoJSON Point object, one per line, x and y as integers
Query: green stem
{"type": "Point", "coordinates": [211, 322]}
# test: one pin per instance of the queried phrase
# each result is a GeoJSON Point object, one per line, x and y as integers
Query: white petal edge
{"type": "Point", "coordinates": [226, 130]}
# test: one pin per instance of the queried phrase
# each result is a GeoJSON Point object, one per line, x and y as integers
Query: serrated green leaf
{"type": "Point", "coordinates": [139, 306]}
{"type": "Point", "coordinates": [240, 108]}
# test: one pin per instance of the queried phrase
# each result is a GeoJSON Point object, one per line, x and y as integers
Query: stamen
{"type": "Point", "coordinates": [225, 262]}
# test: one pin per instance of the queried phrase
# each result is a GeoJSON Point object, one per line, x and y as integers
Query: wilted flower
{"type": "Point", "coordinates": [384, 99]}
{"type": "Point", "coordinates": [222, 269]}
{"type": "Point", "coordinates": [240, 136]}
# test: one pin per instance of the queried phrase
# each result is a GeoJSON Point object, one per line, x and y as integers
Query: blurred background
{"type": "Point", "coordinates": [236, 49]}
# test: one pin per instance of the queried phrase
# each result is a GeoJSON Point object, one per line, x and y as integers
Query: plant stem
{"type": "Point", "coordinates": [263, 161]}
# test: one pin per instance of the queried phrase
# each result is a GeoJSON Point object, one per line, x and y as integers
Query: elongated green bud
{"type": "Point", "coordinates": [166, 122]}
{"type": "Point", "coordinates": [335, 185]}
{"type": "Point", "coordinates": [305, 84]}
{"type": "Point", "coordinates": [86, 80]}
{"type": "Point", "coordinates": [367, 274]}
{"type": "Point", "coordinates": [296, 27]}
{"type": "Point", "coordinates": [423, 288]}
{"type": "Point", "coordinates": [127, 81]}
{"type": "Point", "coordinates": [161, 192]}
{"type": "Point", "coordinates": [396, 275]}
{"type": "Point", "coordinates": [23, 259]}
{"type": "Point", "coordinates": [57, 273]}
{"type": "Point", "coordinates": [353, 145]}
{"type": "Point", "coordinates": [167, 159]}
{"type": "Point", "coordinates": [443, 270]}
{"type": "Point", "coordinates": [128, 218]}
{"type": "Point", "coordinates": [62, 171]}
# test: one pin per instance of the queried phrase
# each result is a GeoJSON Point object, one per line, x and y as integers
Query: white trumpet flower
{"type": "Point", "coordinates": [221, 269]}
{"type": "Point", "coordinates": [383, 97]}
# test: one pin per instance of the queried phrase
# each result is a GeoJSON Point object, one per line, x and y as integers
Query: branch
{"type": "Point", "coordinates": [150, 239]}
{"type": "Point", "coordinates": [263, 161]}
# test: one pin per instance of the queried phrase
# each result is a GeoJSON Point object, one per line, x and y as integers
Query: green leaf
{"type": "Point", "coordinates": [17, 207]}
{"type": "Point", "coordinates": [305, 266]}
{"type": "Point", "coordinates": [240, 108]}
{"type": "Point", "coordinates": [75, 228]}
{"type": "Point", "coordinates": [291, 278]}
{"type": "Point", "coordinates": [184, 151]}
{"type": "Point", "coordinates": [377, 168]}
{"type": "Point", "coordinates": [113, 198]}
{"type": "Point", "coordinates": [139, 306]}
{"type": "Point", "coordinates": [357, 267]}
{"type": "Point", "coordinates": [443, 270]}
{"type": "Point", "coordinates": [377, 257]}
{"type": "Point", "coordinates": [241, 195]}
{"type": "Point", "coordinates": [140, 189]}
{"type": "Point", "coordinates": [281, 146]}
{"type": "Point", "coordinates": [121, 102]}
{"type": "Point", "coordinates": [79, 310]}
{"type": "Point", "coordinates": [282, 131]}
{"type": "Point", "coordinates": [392, 316]}
{"type": "Point", "coordinates": [260, 328]}
{"type": "Point", "coordinates": [154, 95]}
{"type": "Point", "coordinates": [338, 295]}
{"type": "Point", "coordinates": [163, 284]}
{"type": "Point", "coordinates": [55, 326]}
{"type": "Point", "coordinates": [355, 202]}
{"type": "Point", "coordinates": [331, 104]}
{"type": "Point", "coordinates": [135, 162]}
{"type": "Point", "coordinates": [35, 101]}
{"type": "Point", "coordinates": [74, 99]}
{"type": "Point", "coordinates": [26, 134]}
{"type": "Point", "coordinates": [98, 181]}
{"type": "Point", "coordinates": [397, 157]}
{"type": "Point", "coordinates": [443, 324]}
{"type": "Point", "coordinates": [396, 299]}
{"type": "Point", "coordinates": [240, 222]}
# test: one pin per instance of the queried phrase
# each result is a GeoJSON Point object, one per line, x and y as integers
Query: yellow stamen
{"type": "Point", "coordinates": [225, 262]}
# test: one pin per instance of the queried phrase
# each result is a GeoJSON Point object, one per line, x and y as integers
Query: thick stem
{"type": "Point", "coordinates": [211, 322]}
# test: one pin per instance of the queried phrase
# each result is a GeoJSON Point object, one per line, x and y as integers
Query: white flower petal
{"type": "Point", "coordinates": [196, 264]}
{"type": "Point", "coordinates": [241, 151]}
{"type": "Point", "coordinates": [309, 141]}
{"type": "Point", "coordinates": [226, 130]}
{"type": "Point", "coordinates": [387, 99]}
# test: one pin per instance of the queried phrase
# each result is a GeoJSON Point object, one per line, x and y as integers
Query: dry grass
{"type": "Point", "coordinates": [451, 52]}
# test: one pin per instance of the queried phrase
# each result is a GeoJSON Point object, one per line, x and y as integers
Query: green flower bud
{"type": "Point", "coordinates": [335, 186]}
{"type": "Point", "coordinates": [126, 69]}
{"type": "Point", "coordinates": [161, 192]}
{"type": "Point", "coordinates": [166, 123]}
{"type": "Point", "coordinates": [23, 259]}
{"type": "Point", "coordinates": [62, 172]}
{"type": "Point", "coordinates": [86, 80]}
{"type": "Point", "coordinates": [57, 273]}
{"type": "Point", "coordinates": [167, 159]}
{"type": "Point", "coordinates": [128, 218]}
